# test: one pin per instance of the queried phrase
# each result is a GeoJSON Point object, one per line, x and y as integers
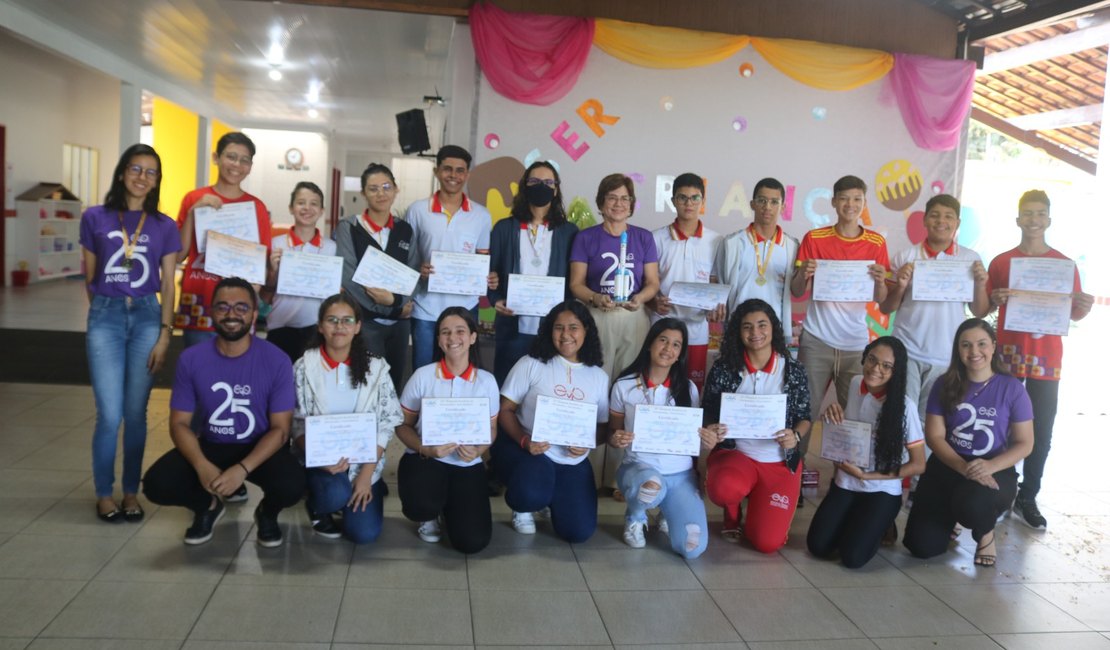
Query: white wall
{"type": "Point", "coordinates": [269, 182]}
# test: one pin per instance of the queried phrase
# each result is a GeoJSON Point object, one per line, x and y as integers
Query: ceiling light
{"type": "Point", "coordinates": [313, 113]}
{"type": "Point", "coordinates": [276, 55]}
{"type": "Point", "coordinates": [313, 95]}
{"type": "Point", "coordinates": [275, 74]}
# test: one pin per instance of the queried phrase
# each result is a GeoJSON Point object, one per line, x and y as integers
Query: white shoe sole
{"type": "Point", "coordinates": [197, 541]}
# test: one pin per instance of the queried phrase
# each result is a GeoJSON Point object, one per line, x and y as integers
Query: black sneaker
{"type": "Point", "coordinates": [239, 496]}
{"type": "Point", "coordinates": [1030, 514]}
{"type": "Point", "coordinates": [269, 532]}
{"type": "Point", "coordinates": [201, 530]}
{"type": "Point", "coordinates": [323, 526]}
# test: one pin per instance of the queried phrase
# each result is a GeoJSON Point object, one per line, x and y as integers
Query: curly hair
{"type": "Point", "coordinates": [890, 428]}
{"type": "Point", "coordinates": [463, 313]}
{"type": "Point", "coordinates": [732, 348]}
{"type": "Point", "coordinates": [678, 377]}
{"type": "Point", "coordinates": [543, 346]}
{"type": "Point", "coordinates": [360, 354]}
{"type": "Point", "coordinates": [954, 382]}
{"type": "Point", "coordinates": [556, 215]}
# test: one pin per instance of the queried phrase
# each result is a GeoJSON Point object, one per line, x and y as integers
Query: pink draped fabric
{"type": "Point", "coordinates": [934, 96]}
{"type": "Point", "coordinates": [530, 58]}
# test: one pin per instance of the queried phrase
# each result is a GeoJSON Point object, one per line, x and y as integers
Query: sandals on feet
{"type": "Point", "coordinates": [113, 516]}
{"type": "Point", "coordinates": [985, 560]}
{"type": "Point", "coordinates": [133, 514]}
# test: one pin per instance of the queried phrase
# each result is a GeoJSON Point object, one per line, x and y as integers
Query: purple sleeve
{"type": "Point", "coordinates": [647, 245]}
{"type": "Point", "coordinates": [282, 391]}
{"type": "Point", "coordinates": [1021, 407]}
{"type": "Point", "coordinates": [933, 407]}
{"type": "Point", "coordinates": [578, 251]}
{"type": "Point", "coordinates": [182, 397]}
{"type": "Point", "coordinates": [171, 237]}
{"type": "Point", "coordinates": [86, 236]}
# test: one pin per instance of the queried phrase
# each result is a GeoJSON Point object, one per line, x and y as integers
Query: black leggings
{"type": "Point", "coordinates": [428, 487]}
{"type": "Point", "coordinates": [172, 481]}
{"type": "Point", "coordinates": [944, 498]}
{"type": "Point", "coordinates": [851, 523]}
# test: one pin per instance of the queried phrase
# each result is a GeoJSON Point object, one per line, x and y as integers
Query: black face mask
{"type": "Point", "coordinates": [539, 194]}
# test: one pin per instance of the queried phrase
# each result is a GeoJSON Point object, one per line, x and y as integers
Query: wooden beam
{"type": "Point", "coordinates": [1033, 140]}
{"type": "Point", "coordinates": [1050, 48]}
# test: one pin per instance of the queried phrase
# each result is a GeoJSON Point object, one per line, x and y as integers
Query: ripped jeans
{"type": "Point", "coordinates": [678, 498]}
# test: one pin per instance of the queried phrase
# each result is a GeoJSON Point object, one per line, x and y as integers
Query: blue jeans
{"type": "Point", "coordinates": [511, 346]}
{"type": "Point", "coordinates": [328, 493]}
{"type": "Point", "coordinates": [121, 332]}
{"type": "Point", "coordinates": [677, 497]}
{"type": "Point", "coordinates": [424, 340]}
{"type": "Point", "coordinates": [536, 482]}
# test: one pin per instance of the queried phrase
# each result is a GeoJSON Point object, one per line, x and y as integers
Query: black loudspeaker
{"type": "Point", "coordinates": [412, 131]}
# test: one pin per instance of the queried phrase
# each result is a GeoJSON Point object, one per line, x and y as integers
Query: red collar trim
{"type": "Point", "coordinates": [437, 206]}
{"type": "Point", "coordinates": [445, 372]}
{"type": "Point", "coordinates": [373, 226]}
{"type": "Point", "coordinates": [666, 382]}
{"type": "Point", "coordinates": [759, 238]}
{"type": "Point", "coordinates": [681, 236]}
{"type": "Point", "coordinates": [332, 364]}
{"type": "Point", "coordinates": [525, 225]}
{"type": "Point", "coordinates": [863, 391]}
{"type": "Point", "coordinates": [768, 368]}
{"type": "Point", "coordinates": [931, 254]}
{"type": "Point", "coordinates": [317, 238]}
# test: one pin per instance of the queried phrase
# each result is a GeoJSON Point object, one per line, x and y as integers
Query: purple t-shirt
{"type": "Point", "coordinates": [980, 425]}
{"type": "Point", "coordinates": [235, 395]}
{"type": "Point", "coordinates": [100, 234]}
{"type": "Point", "coordinates": [600, 251]}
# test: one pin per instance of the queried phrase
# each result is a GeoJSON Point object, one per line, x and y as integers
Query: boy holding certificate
{"type": "Point", "coordinates": [1034, 358]}
{"type": "Point", "coordinates": [835, 333]}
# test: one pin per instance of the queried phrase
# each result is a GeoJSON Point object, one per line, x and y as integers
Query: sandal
{"type": "Point", "coordinates": [113, 516]}
{"type": "Point", "coordinates": [956, 530]}
{"type": "Point", "coordinates": [133, 514]}
{"type": "Point", "coordinates": [985, 560]}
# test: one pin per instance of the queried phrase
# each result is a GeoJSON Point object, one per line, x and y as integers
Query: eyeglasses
{"type": "Point", "coordinates": [137, 170]}
{"type": "Point", "coordinates": [872, 360]}
{"type": "Point", "coordinates": [384, 188]}
{"type": "Point", "coordinates": [550, 182]}
{"type": "Point", "coordinates": [613, 198]}
{"type": "Point", "coordinates": [336, 321]}
{"type": "Point", "coordinates": [241, 308]}
{"type": "Point", "coordinates": [234, 159]}
{"type": "Point", "coordinates": [763, 202]}
{"type": "Point", "coordinates": [682, 198]}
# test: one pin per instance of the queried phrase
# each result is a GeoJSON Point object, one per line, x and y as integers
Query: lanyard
{"type": "Point", "coordinates": [130, 242]}
{"type": "Point", "coordinates": [761, 266]}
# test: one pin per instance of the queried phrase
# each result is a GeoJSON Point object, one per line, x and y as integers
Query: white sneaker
{"type": "Point", "coordinates": [661, 524]}
{"type": "Point", "coordinates": [429, 531]}
{"type": "Point", "coordinates": [524, 523]}
{"type": "Point", "coordinates": [634, 534]}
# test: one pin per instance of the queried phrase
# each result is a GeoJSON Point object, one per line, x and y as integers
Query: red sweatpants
{"type": "Point", "coordinates": [772, 493]}
{"type": "Point", "coordinates": [696, 356]}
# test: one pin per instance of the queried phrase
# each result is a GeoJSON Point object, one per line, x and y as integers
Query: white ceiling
{"type": "Point", "coordinates": [371, 64]}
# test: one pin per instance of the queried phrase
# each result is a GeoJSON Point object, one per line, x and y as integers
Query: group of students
{"type": "Point", "coordinates": [616, 342]}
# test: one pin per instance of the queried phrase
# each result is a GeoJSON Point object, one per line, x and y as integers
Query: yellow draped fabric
{"type": "Point", "coordinates": [664, 47]}
{"type": "Point", "coordinates": [820, 65]}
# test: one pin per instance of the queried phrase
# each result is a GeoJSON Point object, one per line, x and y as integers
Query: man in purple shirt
{"type": "Point", "coordinates": [241, 389]}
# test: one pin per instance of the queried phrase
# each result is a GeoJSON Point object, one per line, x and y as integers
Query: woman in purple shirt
{"type": "Point", "coordinates": [130, 252]}
{"type": "Point", "coordinates": [979, 424]}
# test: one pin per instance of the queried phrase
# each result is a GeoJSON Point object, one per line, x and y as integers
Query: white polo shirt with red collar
{"type": "Point", "coordinates": [436, 380]}
{"type": "Point", "coordinates": [626, 394]}
{"type": "Point", "coordinates": [686, 259]}
{"type": "Point", "coordinates": [740, 259]}
{"type": "Point", "coordinates": [297, 311]}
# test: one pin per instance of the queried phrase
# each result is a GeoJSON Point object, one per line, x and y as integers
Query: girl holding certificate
{"type": "Point", "coordinates": [979, 424]}
{"type": "Point", "coordinates": [766, 471]}
{"type": "Point", "coordinates": [862, 503]}
{"type": "Point", "coordinates": [565, 364]}
{"type": "Point", "coordinates": [292, 321]}
{"type": "Point", "coordinates": [337, 374]}
{"type": "Point", "coordinates": [447, 481]}
{"type": "Point", "coordinates": [535, 241]}
{"type": "Point", "coordinates": [665, 481]}
{"type": "Point", "coordinates": [130, 251]}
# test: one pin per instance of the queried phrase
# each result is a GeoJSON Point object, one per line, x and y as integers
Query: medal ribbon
{"type": "Point", "coordinates": [768, 246]}
{"type": "Point", "coordinates": [130, 242]}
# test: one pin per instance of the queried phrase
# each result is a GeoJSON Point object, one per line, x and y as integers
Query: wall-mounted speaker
{"type": "Point", "coordinates": [412, 131]}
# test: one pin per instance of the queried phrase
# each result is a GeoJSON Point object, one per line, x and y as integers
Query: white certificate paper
{"type": "Point", "coordinates": [847, 442]}
{"type": "Point", "coordinates": [236, 219]}
{"type": "Point", "coordinates": [753, 416]}
{"type": "Point", "coordinates": [309, 275]}
{"type": "Point", "coordinates": [699, 295]}
{"type": "Point", "coordinates": [454, 420]}
{"type": "Point", "coordinates": [1042, 274]}
{"type": "Point", "coordinates": [459, 273]}
{"type": "Point", "coordinates": [1038, 313]}
{"type": "Point", "coordinates": [534, 295]}
{"type": "Point", "coordinates": [231, 257]}
{"type": "Point", "coordinates": [565, 422]}
{"type": "Point", "coordinates": [943, 281]}
{"type": "Point", "coordinates": [667, 430]}
{"type": "Point", "coordinates": [380, 271]}
{"type": "Point", "coordinates": [843, 281]}
{"type": "Point", "coordinates": [353, 436]}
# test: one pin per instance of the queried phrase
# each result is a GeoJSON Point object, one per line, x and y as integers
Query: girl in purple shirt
{"type": "Point", "coordinates": [130, 251]}
{"type": "Point", "coordinates": [979, 424]}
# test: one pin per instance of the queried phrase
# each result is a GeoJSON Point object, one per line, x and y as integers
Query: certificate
{"type": "Point", "coordinates": [699, 295]}
{"type": "Point", "coordinates": [353, 436]}
{"type": "Point", "coordinates": [459, 273]}
{"type": "Point", "coordinates": [236, 219]}
{"type": "Point", "coordinates": [378, 270]}
{"type": "Point", "coordinates": [1042, 274]}
{"type": "Point", "coordinates": [231, 257]}
{"type": "Point", "coordinates": [565, 422]}
{"type": "Point", "coordinates": [534, 295]}
{"type": "Point", "coordinates": [753, 416]}
{"type": "Point", "coordinates": [943, 281]}
{"type": "Point", "coordinates": [667, 430]}
{"type": "Point", "coordinates": [309, 275]}
{"type": "Point", "coordinates": [843, 281]}
{"type": "Point", "coordinates": [1038, 313]}
{"type": "Point", "coordinates": [454, 420]}
{"type": "Point", "coordinates": [847, 442]}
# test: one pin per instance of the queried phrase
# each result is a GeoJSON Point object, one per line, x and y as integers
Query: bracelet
{"type": "Point", "coordinates": [240, 464]}
{"type": "Point", "coordinates": [797, 436]}
{"type": "Point", "coordinates": [167, 326]}
{"type": "Point", "coordinates": [525, 440]}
